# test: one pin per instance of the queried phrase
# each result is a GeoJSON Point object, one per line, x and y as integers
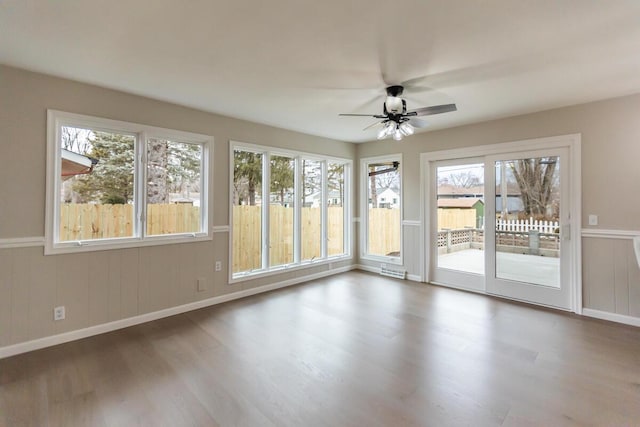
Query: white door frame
{"type": "Point", "coordinates": [472, 282]}
{"type": "Point", "coordinates": [572, 142]}
{"type": "Point", "coordinates": [553, 297]}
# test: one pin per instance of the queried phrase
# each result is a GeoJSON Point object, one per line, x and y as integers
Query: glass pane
{"type": "Point", "coordinates": [281, 200]}
{"type": "Point", "coordinates": [527, 220]}
{"type": "Point", "coordinates": [311, 218]}
{"type": "Point", "coordinates": [461, 217]}
{"type": "Point", "coordinates": [335, 211]}
{"type": "Point", "coordinates": [384, 209]}
{"type": "Point", "coordinates": [96, 198]}
{"type": "Point", "coordinates": [173, 187]}
{"type": "Point", "coordinates": [247, 211]}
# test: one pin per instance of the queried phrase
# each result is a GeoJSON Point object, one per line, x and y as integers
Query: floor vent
{"type": "Point", "coordinates": [398, 274]}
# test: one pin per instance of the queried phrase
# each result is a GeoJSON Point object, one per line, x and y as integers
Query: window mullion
{"type": "Point", "coordinates": [324, 209]}
{"type": "Point", "coordinates": [266, 202]}
{"type": "Point", "coordinates": [140, 180]}
{"type": "Point", "coordinates": [347, 209]}
{"type": "Point", "coordinates": [297, 210]}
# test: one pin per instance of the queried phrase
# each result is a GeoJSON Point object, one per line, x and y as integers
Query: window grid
{"type": "Point", "coordinates": [267, 263]}
{"type": "Point", "coordinates": [102, 198]}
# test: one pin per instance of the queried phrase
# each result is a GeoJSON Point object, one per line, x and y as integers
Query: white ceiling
{"type": "Point", "coordinates": [296, 64]}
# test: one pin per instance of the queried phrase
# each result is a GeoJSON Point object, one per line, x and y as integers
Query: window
{"type": "Point", "coordinates": [306, 219]}
{"type": "Point", "coordinates": [117, 184]}
{"type": "Point", "coordinates": [381, 219]}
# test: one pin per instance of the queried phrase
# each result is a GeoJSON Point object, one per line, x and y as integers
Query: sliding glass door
{"type": "Point", "coordinates": [459, 223]}
{"type": "Point", "coordinates": [525, 255]}
{"type": "Point", "coordinates": [500, 224]}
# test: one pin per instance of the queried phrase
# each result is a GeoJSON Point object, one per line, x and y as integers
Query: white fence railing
{"type": "Point", "coordinates": [527, 225]}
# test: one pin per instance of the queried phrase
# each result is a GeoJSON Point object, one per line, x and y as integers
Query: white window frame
{"type": "Point", "coordinates": [297, 263]}
{"type": "Point", "coordinates": [142, 133]}
{"type": "Point", "coordinates": [364, 209]}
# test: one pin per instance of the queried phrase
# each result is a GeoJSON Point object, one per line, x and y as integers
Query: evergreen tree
{"type": "Point", "coordinates": [247, 176]}
{"type": "Point", "coordinates": [157, 173]}
{"type": "Point", "coordinates": [282, 171]}
{"type": "Point", "coordinates": [111, 181]}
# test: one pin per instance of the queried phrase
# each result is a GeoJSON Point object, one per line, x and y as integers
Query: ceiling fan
{"type": "Point", "coordinates": [396, 120]}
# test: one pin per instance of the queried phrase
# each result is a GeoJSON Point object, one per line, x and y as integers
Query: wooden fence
{"type": "Point", "coordinates": [384, 231]}
{"type": "Point", "coordinates": [247, 237]}
{"type": "Point", "coordinates": [456, 218]}
{"type": "Point", "coordinates": [95, 221]}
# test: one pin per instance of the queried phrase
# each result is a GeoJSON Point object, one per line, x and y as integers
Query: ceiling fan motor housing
{"type": "Point", "coordinates": [395, 105]}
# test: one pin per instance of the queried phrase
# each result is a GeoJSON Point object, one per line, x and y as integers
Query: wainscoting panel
{"type": "Point", "coordinates": [611, 278]}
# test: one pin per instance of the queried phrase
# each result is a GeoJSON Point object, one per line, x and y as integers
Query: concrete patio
{"type": "Point", "coordinates": [518, 267]}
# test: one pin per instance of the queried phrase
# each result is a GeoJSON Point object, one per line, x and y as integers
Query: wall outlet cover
{"type": "Point", "coordinates": [59, 313]}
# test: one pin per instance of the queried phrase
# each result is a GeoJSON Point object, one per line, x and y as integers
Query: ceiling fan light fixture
{"type": "Point", "coordinates": [406, 129]}
{"type": "Point", "coordinates": [397, 134]}
{"type": "Point", "coordinates": [386, 130]}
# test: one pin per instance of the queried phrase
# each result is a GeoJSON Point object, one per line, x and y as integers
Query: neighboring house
{"type": "Point", "coordinates": [73, 164]}
{"type": "Point", "coordinates": [514, 204]}
{"type": "Point", "coordinates": [388, 199]}
{"type": "Point", "coordinates": [465, 203]}
{"type": "Point", "coordinates": [450, 191]}
{"type": "Point", "coordinates": [514, 200]}
{"type": "Point", "coordinates": [334, 198]}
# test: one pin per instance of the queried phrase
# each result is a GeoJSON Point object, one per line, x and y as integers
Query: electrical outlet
{"type": "Point", "coordinates": [59, 313]}
{"type": "Point", "coordinates": [218, 265]}
{"type": "Point", "coordinates": [593, 219]}
{"type": "Point", "coordinates": [202, 284]}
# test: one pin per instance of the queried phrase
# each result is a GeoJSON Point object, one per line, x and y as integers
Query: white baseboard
{"type": "Point", "coordinates": [39, 343]}
{"type": "Point", "coordinates": [372, 269]}
{"type": "Point", "coordinates": [613, 317]}
{"type": "Point", "coordinates": [369, 268]}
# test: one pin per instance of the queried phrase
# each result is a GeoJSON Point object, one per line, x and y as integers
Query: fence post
{"type": "Point", "coordinates": [534, 242]}
{"type": "Point", "coordinates": [448, 241]}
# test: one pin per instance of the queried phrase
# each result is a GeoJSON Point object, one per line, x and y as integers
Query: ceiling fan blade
{"type": "Point", "coordinates": [418, 123]}
{"type": "Point", "coordinates": [374, 125]}
{"type": "Point", "coordinates": [385, 62]}
{"type": "Point", "coordinates": [375, 116]}
{"type": "Point", "coordinates": [436, 109]}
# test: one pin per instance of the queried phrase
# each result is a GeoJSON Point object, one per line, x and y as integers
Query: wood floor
{"type": "Point", "coordinates": [354, 349]}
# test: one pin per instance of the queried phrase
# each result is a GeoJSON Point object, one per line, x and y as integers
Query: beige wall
{"type": "Point", "coordinates": [99, 287]}
{"type": "Point", "coordinates": [610, 183]}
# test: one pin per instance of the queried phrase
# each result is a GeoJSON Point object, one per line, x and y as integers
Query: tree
{"type": "Point", "coordinates": [247, 176]}
{"type": "Point", "coordinates": [171, 167]}
{"type": "Point", "coordinates": [536, 180]}
{"type": "Point", "coordinates": [311, 179]}
{"type": "Point", "coordinates": [111, 181]}
{"type": "Point", "coordinates": [184, 163]}
{"type": "Point", "coordinates": [335, 179]}
{"type": "Point", "coordinates": [466, 179]}
{"type": "Point", "coordinates": [76, 140]}
{"type": "Point", "coordinates": [390, 178]}
{"type": "Point", "coordinates": [157, 172]}
{"type": "Point", "coordinates": [282, 170]}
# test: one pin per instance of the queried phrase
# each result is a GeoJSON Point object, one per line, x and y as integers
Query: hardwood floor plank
{"type": "Point", "coordinates": [349, 350]}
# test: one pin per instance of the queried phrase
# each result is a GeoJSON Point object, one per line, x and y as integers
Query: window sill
{"type": "Point", "coordinates": [124, 243]}
{"type": "Point", "coordinates": [255, 274]}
